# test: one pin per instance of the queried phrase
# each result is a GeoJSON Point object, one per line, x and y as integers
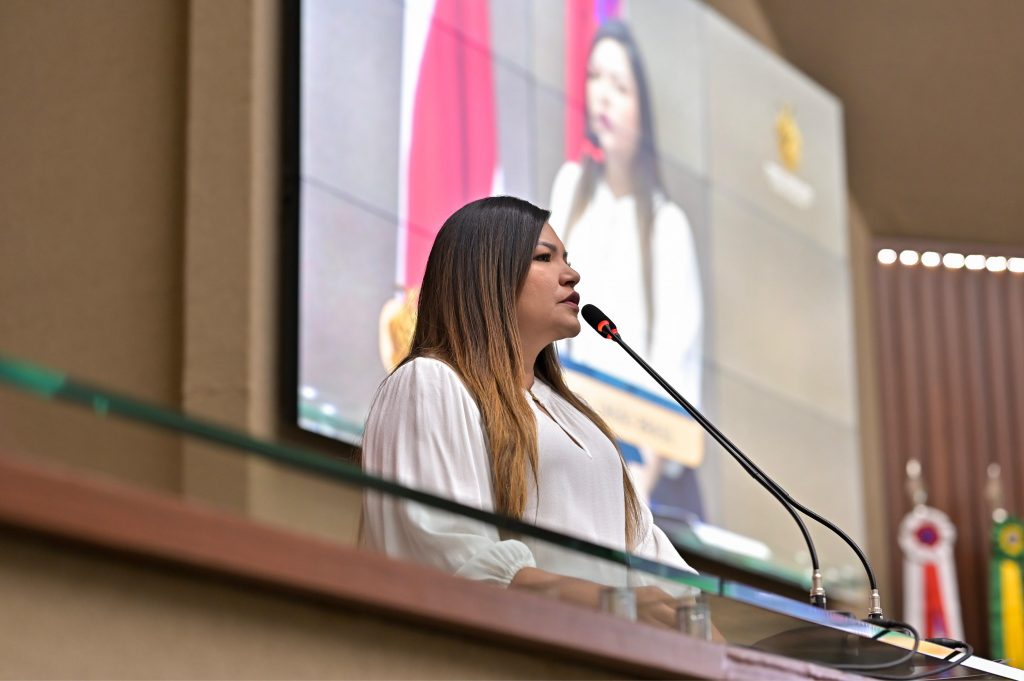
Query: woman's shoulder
{"type": "Point", "coordinates": [672, 231]}
{"type": "Point", "coordinates": [427, 381]}
{"type": "Point", "coordinates": [668, 213]}
{"type": "Point", "coordinates": [568, 174]}
{"type": "Point", "coordinates": [424, 373]}
{"type": "Point", "coordinates": [564, 186]}
{"type": "Point", "coordinates": [423, 386]}
{"type": "Point", "coordinates": [424, 366]}
{"type": "Point", "coordinates": [562, 191]}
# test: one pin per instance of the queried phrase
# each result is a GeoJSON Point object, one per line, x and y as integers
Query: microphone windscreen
{"type": "Point", "coordinates": [594, 316]}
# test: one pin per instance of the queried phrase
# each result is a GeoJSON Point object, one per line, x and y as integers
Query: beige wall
{"type": "Point", "coordinates": [749, 16]}
{"type": "Point", "coordinates": [88, 616]}
{"type": "Point", "coordinates": [139, 238]}
{"type": "Point", "coordinates": [91, 207]}
{"type": "Point", "coordinates": [879, 543]}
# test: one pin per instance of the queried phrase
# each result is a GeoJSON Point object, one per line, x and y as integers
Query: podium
{"type": "Point", "coordinates": [779, 625]}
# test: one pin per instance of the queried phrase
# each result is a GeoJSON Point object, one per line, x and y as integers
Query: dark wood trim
{"type": "Point", "coordinates": [105, 514]}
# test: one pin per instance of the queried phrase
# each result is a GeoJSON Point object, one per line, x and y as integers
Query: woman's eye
{"type": "Point", "coordinates": [543, 257]}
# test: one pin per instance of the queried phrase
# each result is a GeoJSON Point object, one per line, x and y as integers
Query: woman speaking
{"type": "Point", "coordinates": [478, 412]}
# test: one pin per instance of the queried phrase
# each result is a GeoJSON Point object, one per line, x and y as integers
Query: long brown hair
{"type": "Point", "coordinates": [467, 319]}
{"type": "Point", "coordinates": [644, 173]}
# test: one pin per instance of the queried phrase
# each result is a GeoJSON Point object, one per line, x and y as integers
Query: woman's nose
{"type": "Point", "coordinates": [570, 277]}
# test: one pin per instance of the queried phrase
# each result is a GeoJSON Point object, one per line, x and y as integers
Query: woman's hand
{"type": "Point", "coordinates": [570, 589]}
{"type": "Point", "coordinates": [656, 606]}
{"type": "Point", "coordinates": [653, 605]}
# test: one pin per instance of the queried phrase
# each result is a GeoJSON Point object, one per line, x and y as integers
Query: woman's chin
{"type": "Point", "coordinates": [571, 331]}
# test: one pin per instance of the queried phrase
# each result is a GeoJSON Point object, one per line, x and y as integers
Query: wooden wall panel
{"type": "Point", "coordinates": [951, 377]}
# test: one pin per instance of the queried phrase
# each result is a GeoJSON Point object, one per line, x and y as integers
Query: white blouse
{"type": "Point", "coordinates": [425, 431]}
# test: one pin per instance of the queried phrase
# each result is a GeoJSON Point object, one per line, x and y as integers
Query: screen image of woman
{"type": "Point", "coordinates": [637, 247]}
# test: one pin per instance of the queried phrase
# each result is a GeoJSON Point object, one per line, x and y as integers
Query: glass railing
{"type": "Point", "coordinates": [166, 451]}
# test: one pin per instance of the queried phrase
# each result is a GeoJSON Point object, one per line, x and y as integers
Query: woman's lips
{"type": "Point", "coordinates": [573, 299]}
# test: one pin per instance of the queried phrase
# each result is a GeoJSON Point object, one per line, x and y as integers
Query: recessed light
{"type": "Point", "coordinates": [996, 263]}
{"type": "Point", "coordinates": [975, 262]}
{"type": "Point", "coordinates": [909, 257]}
{"type": "Point", "coordinates": [887, 256]}
{"type": "Point", "coordinates": [953, 261]}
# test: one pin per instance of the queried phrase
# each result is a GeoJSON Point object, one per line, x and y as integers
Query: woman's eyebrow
{"type": "Point", "coordinates": [554, 249]}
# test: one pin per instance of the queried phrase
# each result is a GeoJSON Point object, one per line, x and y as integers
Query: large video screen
{"type": "Point", "coordinates": [696, 179]}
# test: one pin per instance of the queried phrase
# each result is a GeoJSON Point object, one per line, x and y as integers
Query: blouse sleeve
{"type": "Point", "coordinates": [656, 545]}
{"type": "Point", "coordinates": [562, 191]}
{"type": "Point", "coordinates": [424, 431]}
{"type": "Point", "coordinates": [676, 341]}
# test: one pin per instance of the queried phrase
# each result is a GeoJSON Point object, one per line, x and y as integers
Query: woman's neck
{"type": "Point", "coordinates": [529, 358]}
{"type": "Point", "coordinates": [618, 177]}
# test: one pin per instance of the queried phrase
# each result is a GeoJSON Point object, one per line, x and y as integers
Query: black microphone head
{"type": "Point", "coordinates": [599, 320]}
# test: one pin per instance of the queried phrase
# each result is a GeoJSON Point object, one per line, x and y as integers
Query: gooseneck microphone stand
{"type": "Point", "coordinates": [603, 325]}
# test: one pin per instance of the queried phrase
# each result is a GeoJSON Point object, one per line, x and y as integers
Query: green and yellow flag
{"type": "Point", "coordinates": [1006, 591]}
